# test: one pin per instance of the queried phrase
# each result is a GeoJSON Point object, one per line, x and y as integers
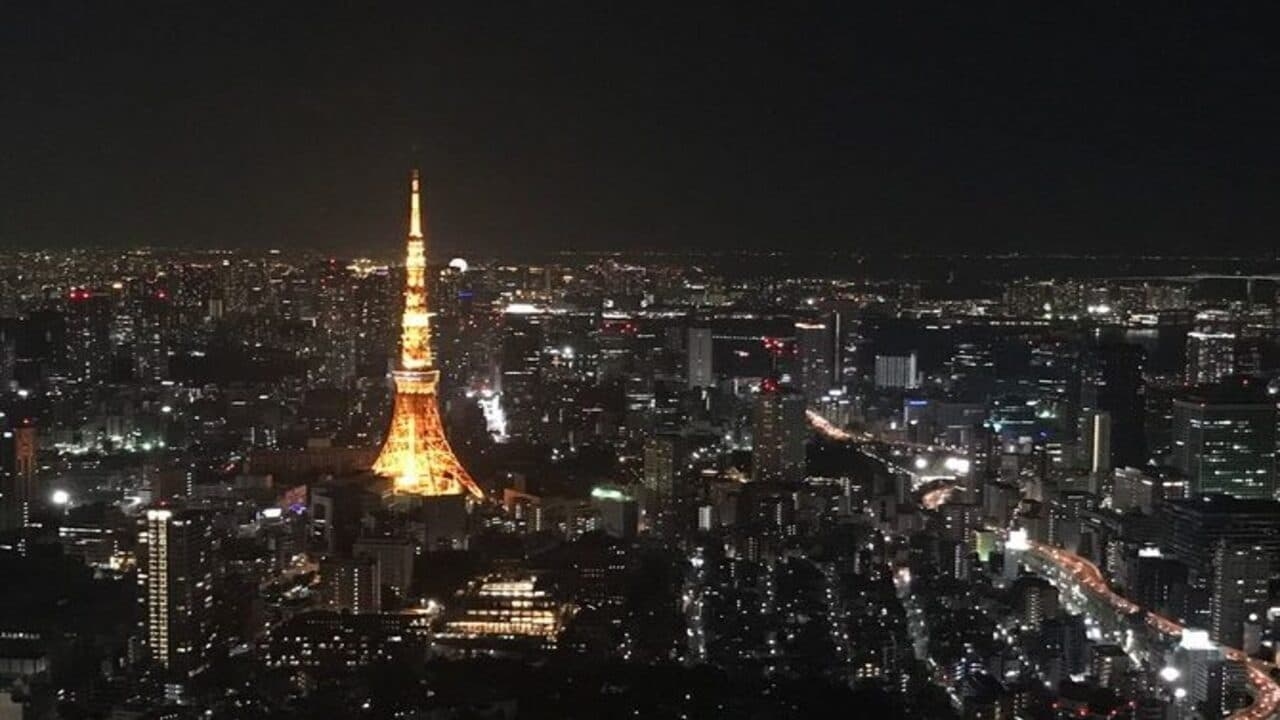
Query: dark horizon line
{"type": "Point", "coordinates": [660, 252]}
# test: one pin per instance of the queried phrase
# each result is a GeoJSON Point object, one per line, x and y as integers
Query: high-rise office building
{"type": "Point", "coordinates": [1112, 382]}
{"type": "Point", "coordinates": [1194, 527]}
{"type": "Point", "coordinates": [700, 369]}
{"type": "Point", "coordinates": [1064, 514]}
{"type": "Point", "coordinates": [176, 582]}
{"type": "Point", "coordinates": [1132, 488]}
{"type": "Point", "coordinates": [395, 557]}
{"type": "Point", "coordinates": [1195, 657]}
{"type": "Point", "coordinates": [1210, 357]}
{"type": "Point", "coordinates": [151, 343]}
{"type": "Point", "coordinates": [1095, 441]}
{"type": "Point", "coordinates": [1108, 664]}
{"type": "Point", "coordinates": [17, 475]}
{"type": "Point", "coordinates": [779, 434]}
{"type": "Point", "coordinates": [1160, 583]}
{"type": "Point", "coordinates": [1038, 600]}
{"type": "Point", "coordinates": [352, 584]}
{"type": "Point", "coordinates": [88, 323]}
{"type": "Point", "coordinates": [815, 348]}
{"type": "Point", "coordinates": [897, 371]}
{"type": "Point", "coordinates": [662, 464]}
{"type": "Point", "coordinates": [1225, 442]}
{"type": "Point", "coordinates": [1241, 576]}
{"type": "Point", "coordinates": [521, 342]}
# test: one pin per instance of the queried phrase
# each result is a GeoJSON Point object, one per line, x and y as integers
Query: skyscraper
{"type": "Point", "coordinates": [1210, 357]}
{"type": "Point", "coordinates": [816, 358]}
{"type": "Point", "coordinates": [897, 371]}
{"type": "Point", "coordinates": [176, 582]}
{"type": "Point", "coordinates": [88, 323]}
{"type": "Point", "coordinates": [1224, 441]}
{"type": "Point", "coordinates": [522, 339]}
{"type": "Point", "coordinates": [17, 475]}
{"type": "Point", "coordinates": [416, 453]}
{"type": "Point", "coordinates": [1038, 600]}
{"type": "Point", "coordinates": [1241, 576]}
{"type": "Point", "coordinates": [779, 434]}
{"type": "Point", "coordinates": [352, 584]}
{"type": "Point", "coordinates": [1112, 382]}
{"type": "Point", "coordinates": [1193, 527]}
{"type": "Point", "coordinates": [1096, 441]}
{"type": "Point", "coordinates": [662, 463]}
{"type": "Point", "coordinates": [700, 370]}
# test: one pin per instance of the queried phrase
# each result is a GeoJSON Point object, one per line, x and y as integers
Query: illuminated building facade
{"type": "Point", "coordinates": [779, 434]}
{"type": "Point", "coordinates": [416, 453]}
{"type": "Point", "coordinates": [1241, 575]}
{"type": "Point", "coordinates": [1226, 445]}
{"type": "Point", "coordinates": [699, 359]}
{"type": "Point", "coordinates": [176, 582]}
{"type": "Point", "coordinates": [815, 346]}
{"type": "Point", "coordinates": [498, 613]}
{"type": "Point", "coordinates": [352, 584]}
{"type": "Point", "coordinates": [897, 371]}
{"type": "Point", "coordinates": [662, 464]}
{"type": "Point", "coordinates": [336, 642]}
{"type": "Point", "coordinates": [1210, 357]}
{"type": "Point", "coordinates": [17, 475]}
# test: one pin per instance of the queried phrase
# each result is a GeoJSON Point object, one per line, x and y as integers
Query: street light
{"type": "Point", "coordinates": [60, 498]}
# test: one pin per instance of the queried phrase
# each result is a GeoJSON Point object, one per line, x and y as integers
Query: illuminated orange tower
{"type": "Point", "coordinates": [416, 453]}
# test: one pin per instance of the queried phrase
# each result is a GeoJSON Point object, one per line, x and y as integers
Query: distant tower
{"type": "Point", "coordinates": [416, 453]}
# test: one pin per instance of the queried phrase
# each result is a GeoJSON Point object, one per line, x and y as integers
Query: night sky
{"type": "Point", "coordinates": [637, 126]}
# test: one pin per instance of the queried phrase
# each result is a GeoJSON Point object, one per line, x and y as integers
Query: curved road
{"type": "Point", "coordinates": [1266, 693]}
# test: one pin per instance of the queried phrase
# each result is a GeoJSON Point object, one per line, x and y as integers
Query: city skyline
{"type": "Point", "coordinates": [778, 362]}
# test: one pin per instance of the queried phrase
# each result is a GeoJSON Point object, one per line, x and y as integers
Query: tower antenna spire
{"type": "Point", "coordinates": [415, 206]}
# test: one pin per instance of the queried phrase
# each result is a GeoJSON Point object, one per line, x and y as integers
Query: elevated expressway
{"type": "Point", "coordinates": [1087, 586]}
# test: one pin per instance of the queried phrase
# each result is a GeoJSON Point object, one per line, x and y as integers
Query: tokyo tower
{"type": "Point", "coordinates": [416, 454]}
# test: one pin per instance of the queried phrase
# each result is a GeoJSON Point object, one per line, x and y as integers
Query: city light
{"type": "Point", "coordinates": [603, 493]}
{"type": "Point", "coordinates": [776, 369]}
